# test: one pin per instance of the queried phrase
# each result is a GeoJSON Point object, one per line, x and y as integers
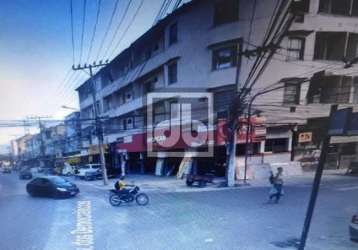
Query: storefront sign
{"type": "Point", "coordinates": [140, 140]}
{"type": "Point", "coordinates": [305, 137]}
{"type": "Point", "coordinates": [94, 149]}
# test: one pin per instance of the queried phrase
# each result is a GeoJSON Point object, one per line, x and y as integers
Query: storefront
{"type": "Point", "coordinates": [135, 147]}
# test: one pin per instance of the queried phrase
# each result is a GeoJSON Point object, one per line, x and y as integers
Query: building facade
{"type": "Point", "coordinates": [196, 48]}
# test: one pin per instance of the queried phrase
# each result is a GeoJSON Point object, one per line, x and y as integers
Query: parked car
{"type": "Point", "coordinates": [52, 186]}
{"type": "Point", "coordinates": [93, 175]}
{"type": "Point", "coordinates": [353, 228]}
{"type": "Point", "coordinates": [88, 168]}
{"type": "Point", "coordinates": [25, 175]}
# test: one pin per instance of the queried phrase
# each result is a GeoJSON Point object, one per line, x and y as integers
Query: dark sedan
{"type": "Point", "coordinates": [353, 228]}
{"type": "Point", "coordinates": [25, 175]}
{"type": "Point", "coordinates": [52, 186]}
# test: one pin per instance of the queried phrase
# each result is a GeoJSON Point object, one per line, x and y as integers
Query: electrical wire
{"type": "Point", "coordinates": [109, 25]}
{"type": "Point", "coordinates": [83, 28]}
{"type": "Point", "coordinates": [94, 30]}
{"type": "Point", "coordinates": [72, 33]}
{"type": "Point", "coordinates": [159, 12]}
{"type": "Point", "coordinates": [252, 20]}
{"type": "Point", "coordinates": [117, 28]}
{"type": "Point", "coordinates": [113, 53]}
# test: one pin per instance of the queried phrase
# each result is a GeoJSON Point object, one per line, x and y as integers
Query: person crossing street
{"type": "Point", "coordinates": [277, 185]}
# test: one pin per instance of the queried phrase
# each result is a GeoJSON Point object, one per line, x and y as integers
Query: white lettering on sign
{"type": "Point", "coordinates": [128, 139]}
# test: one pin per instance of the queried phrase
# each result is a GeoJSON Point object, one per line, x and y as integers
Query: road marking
{"type": "Point", "coordinates": [84, 239]}
{"type": "Point", "coordinates": [209, 240]}
{"type": "Point", "coordinates": [348, 188]}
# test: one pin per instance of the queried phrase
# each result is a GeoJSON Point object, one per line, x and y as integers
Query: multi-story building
{"type": "Point", "coordinates": [318, 41]}
{"type": "Point", "coordinates": [196, 48]}
{"type": "Point", "coordinates": [53, 139]}
{"type": "Point", "coordinates": [72, 134]}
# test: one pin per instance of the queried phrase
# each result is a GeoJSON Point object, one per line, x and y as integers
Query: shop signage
{"type": "Point", "coordinates": [305, 137]}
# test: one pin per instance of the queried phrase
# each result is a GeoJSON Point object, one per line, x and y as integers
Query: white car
{"type": "Point", "coordinates": [88, 168]}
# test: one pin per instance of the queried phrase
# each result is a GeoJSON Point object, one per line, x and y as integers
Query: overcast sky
{"type": "Point", "coordinates": [36, 51]}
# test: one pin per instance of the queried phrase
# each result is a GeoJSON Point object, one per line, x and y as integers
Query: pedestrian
{"type": "Point", "coordinates": [277, 185]}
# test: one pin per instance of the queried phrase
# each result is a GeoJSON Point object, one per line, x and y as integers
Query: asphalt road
{"type": "Point", "coordinates": [226, 219]}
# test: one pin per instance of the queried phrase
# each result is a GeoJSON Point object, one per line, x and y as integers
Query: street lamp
{"type": "Point", "coordinates": [248, 123]}
{"type": "Point", "coordinates": [71, 108]}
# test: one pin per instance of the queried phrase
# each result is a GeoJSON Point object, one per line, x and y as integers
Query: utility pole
{"type": "Point", "coordinates": [98, 123]}
{"type": "Point", "coordinates": [316, 184]}
{"type": "Point", "coordinates": [42, 143]}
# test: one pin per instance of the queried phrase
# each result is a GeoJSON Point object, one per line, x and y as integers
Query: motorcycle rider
{"type": "Point", "coordinates": [120, 186]}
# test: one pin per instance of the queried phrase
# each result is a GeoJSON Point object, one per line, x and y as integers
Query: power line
{"type": "Point", "coordinates": [94, 29]}
{"type": "Point", "coordinates": [117, 28]}
{"type": "Point", "coordinates": [73, 84]}
{"type": "Point", "coordinates": [83, 27]}
{"type": "Point", "coordinates": [159, 12]}
{"type": "Point", "coordinates": [69, 88]}
{"type": "Point", "coordinates": [277, 13]}
{"type": "Point", "coordinates": [165, 9]}
{"type": "Point", "coordinates": [127, 28]}
{"type": "Point", "coordinates": [72, 32]}
{"type": "Point", "coordinates": [176, 5]}
{"type": "Point", "coordinates": [252, 19]}
{"type": "Point", "coordinates": [107, 29]}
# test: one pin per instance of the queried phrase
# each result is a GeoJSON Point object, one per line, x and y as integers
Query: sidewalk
{"type": "Point", "coordinates": [164, 184]}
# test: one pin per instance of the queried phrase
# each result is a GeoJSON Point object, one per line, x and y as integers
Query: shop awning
{"type": "Point", "coordinates": [138, 142]}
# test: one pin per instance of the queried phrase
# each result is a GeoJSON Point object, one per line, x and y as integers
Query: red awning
{"type": "Point", "coordinates": [174, 140]}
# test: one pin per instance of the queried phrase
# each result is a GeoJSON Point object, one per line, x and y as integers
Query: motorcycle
{"type": "Point", "coordinates": [118, 196]}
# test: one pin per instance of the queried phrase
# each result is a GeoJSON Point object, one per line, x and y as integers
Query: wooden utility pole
{"type": "Point", "coordinates": [98, 123]}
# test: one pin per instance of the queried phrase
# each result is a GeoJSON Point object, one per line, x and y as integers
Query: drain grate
{"type": "Point", "coordinates": [291, 242]}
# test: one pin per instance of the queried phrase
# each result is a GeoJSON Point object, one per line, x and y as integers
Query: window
{"type": "Point", "coordinates": [98, 107]}
{"type": "Point", "coordinates": [352, 47]}
{"type": "Point", "coordinates": [336, 46]}
{"type": "Point", "coordinates": [291, 95]}
{"type": "Point", "coordinates": [107, 103]}
{"type": "Point", "coordinates": [172, 72]}
{"type": "Point", "coordinates": [330, 45]}
{"type": "Point", "coordinates": [276, 145]}
{"type": "Point", "coordinates": [173, 33]}
{"type": "Point", "coordinates": [349, 148]}
{"type": "Point", "coordinates": [106, 78]}
{"type": "Point", "coordinates": [355, 89]}
{"type": "Point", "coordinates": [303, 7]}
{"type": "Point", "coordinates": [330, 89]}
{"type": "Point", "coordinates": [130, 123]}
{"type": "Point", "coordinates": [226, 11]}
{"type": "Point", "coordinates": [127, 123]}
{"type": "Point", "coordinates": [150, 85]}
{"type": "Point", "coordinates": [124, 123]}
{"type": "Point", "coordinates": [224, 57]}
{"type": "Point", "coordinates": [296, 48]}
{"type": "Point", "coordinates": [339, 7]}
